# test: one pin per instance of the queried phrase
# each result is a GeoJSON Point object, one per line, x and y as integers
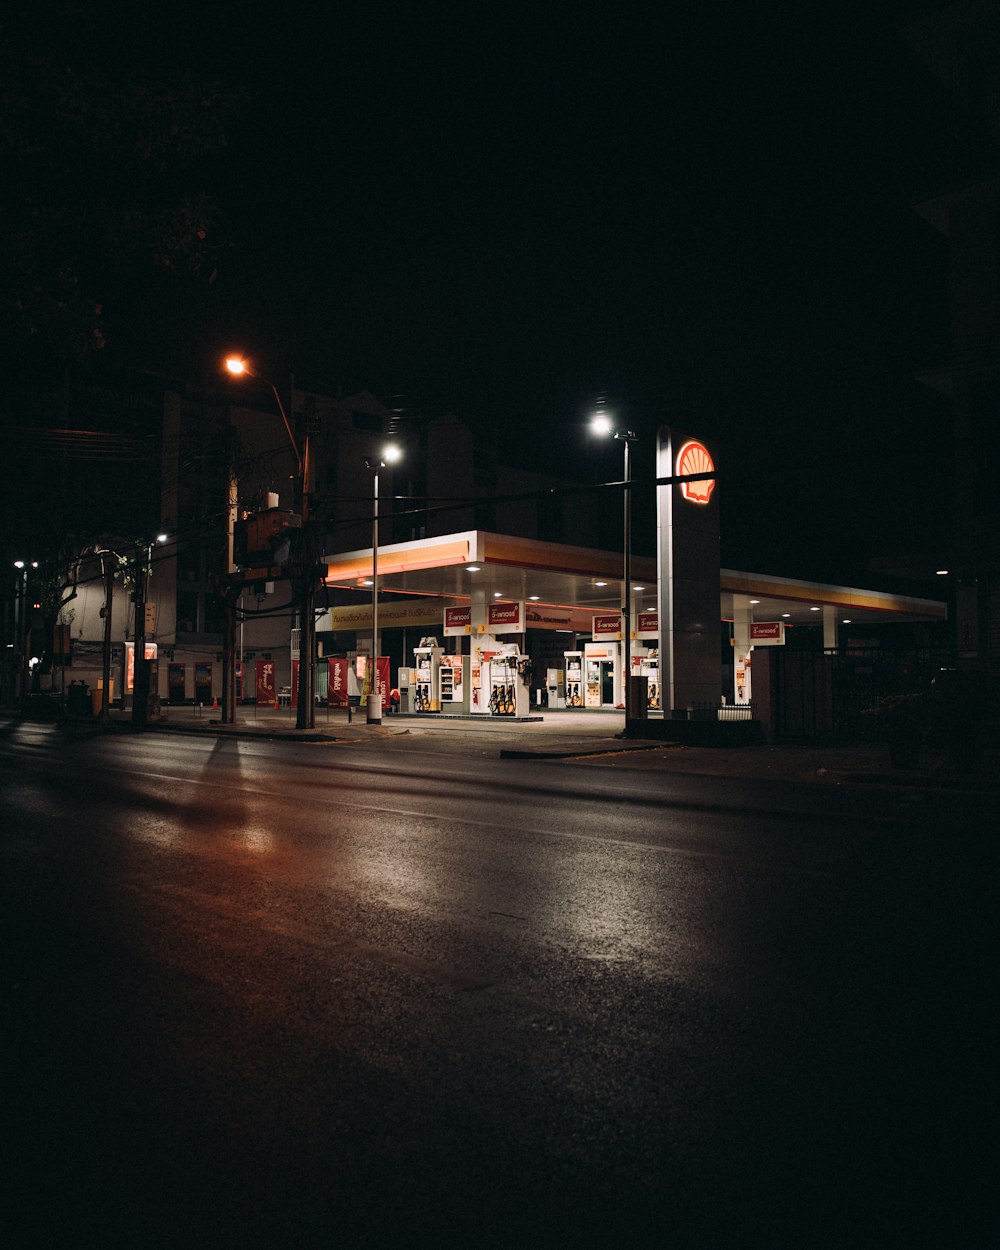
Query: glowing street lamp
{"type": "Point", "coordinates": [305, 716]}
{"type": "Point", "coordinates": [602, 424]}
{"type": "Point", "coordinates": [238, 367]}
{"type": "Point", "coordinates": [390, 455]}
{"type": "Point", "coordinates": [24, 630]}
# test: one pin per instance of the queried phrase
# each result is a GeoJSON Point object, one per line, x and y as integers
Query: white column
{"type": "Point", "coordinates": [742, 615]}
{"type": "Point", "coordinates": [477, 618]}
{"type": "Point", "coordinates": [829, 628]}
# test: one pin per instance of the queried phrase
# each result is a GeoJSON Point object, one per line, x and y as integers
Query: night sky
{"type": "Point", "coordinates": [702, 211]}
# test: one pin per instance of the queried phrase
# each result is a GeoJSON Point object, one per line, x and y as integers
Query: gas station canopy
{"type": "Point", "coordinates": [455, 567]}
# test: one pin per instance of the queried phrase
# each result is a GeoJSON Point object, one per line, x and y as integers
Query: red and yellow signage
{"type": "Point", "coordinates": [505, 618]}
{"type": "Point", "coordinates": [693, 457]}
{"type": "Point", "coordinates": [457, 621]}
{"type": "Point", "coordinates": [337, 687]}
{"type": "Point", "coordinates": [607, 626]}
{"type": "Point", "coordinates": [265, 692]}
{"type": "Point", "coordinates": [767, 633]}
{"type": "Point", "coordinates": [647, 625]}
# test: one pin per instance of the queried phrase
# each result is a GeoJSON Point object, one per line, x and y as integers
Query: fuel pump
{"type": "Point", "coordinates": [427, 663]}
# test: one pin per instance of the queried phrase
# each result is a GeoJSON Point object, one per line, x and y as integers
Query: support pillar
{"type": "Point", "coordinates": [829, 628]}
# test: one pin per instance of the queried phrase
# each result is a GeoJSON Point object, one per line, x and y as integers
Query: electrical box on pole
{"type": "Point", "coordinates": [264, 539]}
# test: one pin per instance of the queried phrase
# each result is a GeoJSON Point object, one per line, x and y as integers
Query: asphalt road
{"type": "Point", "coordinates": [261, 993]}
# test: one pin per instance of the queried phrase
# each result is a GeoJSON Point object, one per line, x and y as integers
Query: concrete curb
{"type": "Point", "coordinates": [514, 753]}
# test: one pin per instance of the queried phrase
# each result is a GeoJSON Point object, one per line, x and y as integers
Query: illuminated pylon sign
{"type": "Point", "coordinates": [693, 457]}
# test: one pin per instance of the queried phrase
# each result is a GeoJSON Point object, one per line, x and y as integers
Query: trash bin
{"type": "Point", "coordinates": [78, 699]}
{"type": "Point", "coordinates": [96, 695]}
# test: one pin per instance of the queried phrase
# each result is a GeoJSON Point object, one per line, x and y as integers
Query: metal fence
{"type": "Point", "coordinates": [717, 711]}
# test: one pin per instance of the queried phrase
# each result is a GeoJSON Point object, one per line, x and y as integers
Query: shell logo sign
{"type": "Point", "coordinates": [693, 457]}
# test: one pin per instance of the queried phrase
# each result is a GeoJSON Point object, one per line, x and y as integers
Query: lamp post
{"type": "Point", "coordinates": [305, 715]}
{"type": "Point", "coordinates": [390, 454]}
{"type": "Point", "coordinates": [140, 665]}
{"type": "Point", "coordinates": [24, 632]}
{"type": "Point", "coordinates": [601, 423]}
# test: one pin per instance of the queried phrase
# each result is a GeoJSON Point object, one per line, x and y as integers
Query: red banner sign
{"type": "Point", "coordinates": [336, 691]}
{"type": "Point", "coordinates": [382, 679]}
{"type": "Point", "coordinates": [265, 682]}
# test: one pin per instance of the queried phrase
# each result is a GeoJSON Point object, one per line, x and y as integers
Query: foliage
{"type": "Point", "coordinates": [55, 584]}
{"type": "Point", "coordinates": [101, 178]}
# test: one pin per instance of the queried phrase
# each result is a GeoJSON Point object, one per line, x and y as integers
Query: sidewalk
{"type": "Point", "coordinates": [586, 738]}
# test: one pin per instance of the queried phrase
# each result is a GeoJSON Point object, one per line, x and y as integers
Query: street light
{"type": "Point", "coordinates": [390, 455]}
{"type": "Point", "coordinates": [24, 631]}
{"type": "Point", "coordinates": [305, 715]}
{"type": "Point", "coordinates": [238, 367]}
{"type": "Point", "coordinates": [140, 665]}
{"type": "Point", "coordinates": [602, 423]}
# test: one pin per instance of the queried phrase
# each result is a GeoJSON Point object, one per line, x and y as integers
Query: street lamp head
{"type": "Point", "coordinates": [389, 454]}
{"type": "Point", "coordinates": [601, 423]}
{"type": "Point", "coordinates": [238, 367]}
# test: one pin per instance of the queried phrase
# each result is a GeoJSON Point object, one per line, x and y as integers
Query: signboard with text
{"type": "Point", "coordinates": [336, 691]}
{"type": "Point", "coordinates": [358, 616]}
{"type": "Point", "coordinates": [647, 625]}
{"type": "Point", "coordinates": [767, 633]}
{"type": "Point", "coordinates": [458, 621]}
{"type": "Point", "coordinates": [607, 627]}
{"type": "Point", "coordinates": [382, 679]}
{"type": "Point", "coordinates": [265, 682]}
{"type": "Point", "coordinates": [505, 618]}
{"type": "Point", "coordinates": [554, 616]}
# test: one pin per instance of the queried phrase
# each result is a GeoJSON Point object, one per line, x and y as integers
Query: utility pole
{"type": "Point", "coordinates": [305, 717]}
{"type": "Point", "coordinates": [230, 589]}
{"type": "Point", "coordinates": [626, 436]}
{"type": "Point", "coordinates": [140, 681]}
{"type": "Point", "coordinates": [109, 593]}
{"type": "Point", "coordinates": [24, 635]}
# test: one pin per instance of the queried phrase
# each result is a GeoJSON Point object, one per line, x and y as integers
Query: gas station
{"type": "Point", "coordinates": [486, 624]}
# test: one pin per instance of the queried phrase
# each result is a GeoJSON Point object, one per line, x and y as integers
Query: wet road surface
{"type": "Point", "coordinates": [259, 993]}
